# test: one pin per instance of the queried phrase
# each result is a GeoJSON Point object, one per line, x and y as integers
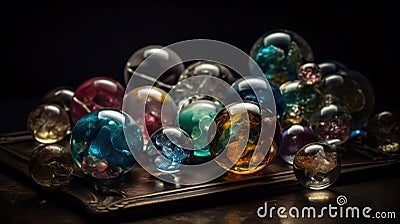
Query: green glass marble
{"type": "Point", "coordinates": [195, 118]}
{"type": "Point", "coordinates": [301, 101]}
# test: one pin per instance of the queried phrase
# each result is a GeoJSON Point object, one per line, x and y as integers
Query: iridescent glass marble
{"type": "Point", "coordinates": [293, 139]}
{"type": "Point", "coordinates": [50, 165]}
{"type": "Point", "coordinates": [280, 53]}
{"type": "Point", "coordinates": [151, 107]}
{"type": "Point", "coordinates": [383, 131]}
{"type": "Point", "coordinates": [301, 101]}
{"type": "Point", "coordinates": [332, 122]}
{"type": "Point", "coordinates": [168, 148]}
{"type": "Point", "coordinates": [209, 68]}
{"type": "Point", "coordinates": [317, 166]}
{"type": "Point", "coordinates": [195, 117]}
{"type": "Point", "coordinates": [96, 93]}
{"type": "Point", "coordinates": [163, 58]}
{"type": "Point", "coordinates": [100, 145]}
{"type": "Point", "coordinates": [48, 123]}
{"type": "Point", "coordinates": [240, 143]}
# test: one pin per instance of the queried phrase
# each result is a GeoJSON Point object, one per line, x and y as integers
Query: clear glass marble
{"type": "Point", "coordinates": [50, 165]}
{"type": "Point", "coordinates": [317, 166]}
{"type": "Point", "coordinates": [383, 131]}
{"type": "Point", "coordinates": [105, 143]}
{"type": "Point", "coordinates": [48, 123]}
{"type": "Point", "coordinates": [280, 53]}
{"type": "Point", "coordinates": [209, 68]}
{"type": "Point", "coordinates": [164, 65]}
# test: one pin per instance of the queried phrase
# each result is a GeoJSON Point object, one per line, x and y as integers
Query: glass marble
{"type": "Point", "coordinates": [50, 165]}
{"type": "Point", "coordinates": [208, 68]}
{"type": "Point", "coordinates": [61, 95]}
{"type": "Point", "coordinates": [280, 53]}
{"type": "Point", "coordinates": [105, 143]}
{"type": "Point", "coordinates": [195, 118]}
{"type": "Point", "coordinates": [151, 107]}
{"type": "Point", "coordinates": [332, 122]}
{"type": "Point", "coordinates": [168, 148]}
{"type": "Point", "coordinates": [165, 59]}
{"type": "Point", "coordinates": [383, 131]}
{"type": "Point", "coordinates": [310, 73]}
{"type": "Point", "coordinates": [240, 143]}
{"type": "Point", "coordinates": [250, 87]}
{"type": "Point", "coordinates": [48, 123]}
{"type": "Point", "coordinates": [301, 101]}
{"type": "Point", "coordinates": [96, 93]}
{"type": "Point", "coordinates": [293, 139]}
{"type": "Point", "coordinates": [339, 82]}
{"type": "Point", "coordinates": [317, 166]}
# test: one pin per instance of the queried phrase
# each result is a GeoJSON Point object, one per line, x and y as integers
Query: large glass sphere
{"type": "Point", "coordinates": [104, 142]}
{"type": "Point", "coordinates": [280, 53]}
{"type": "Point", "coordinates": [243, 142]}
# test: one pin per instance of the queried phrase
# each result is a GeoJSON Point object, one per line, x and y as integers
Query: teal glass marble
{"type": "Point", "coordinates": [332, 122]}
{"type": "Point", "coordinates": [280, 53]}
{"type": "Point", "coordinates": [301, 101]}
{"type": "Point", "coordinates": [195, 117]}
{"type": "Point", "coordinates": [50, 165]}
{"type": "Point", "coordinates": [257, 89]}
{"type": "Point", "coordinates": [99, 145]}
{"type": "Point", "coordinates": [168, 148]}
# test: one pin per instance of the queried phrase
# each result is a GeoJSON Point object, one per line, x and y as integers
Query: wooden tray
{"type": "Point", "coordinates": [138, 191]}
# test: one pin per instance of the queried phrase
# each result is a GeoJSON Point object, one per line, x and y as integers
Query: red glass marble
{"type": "Point", "coordinates": [96, 93]}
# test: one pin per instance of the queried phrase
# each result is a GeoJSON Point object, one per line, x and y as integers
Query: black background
{"type": "Point", "coordinates": [50, 44]}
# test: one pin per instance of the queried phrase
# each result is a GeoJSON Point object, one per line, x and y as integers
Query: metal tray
{"type": "Point", "coordinates": [138, 191]}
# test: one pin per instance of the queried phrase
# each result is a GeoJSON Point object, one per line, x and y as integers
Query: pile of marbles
{"type": "Point", "coordinates": [110, 125]}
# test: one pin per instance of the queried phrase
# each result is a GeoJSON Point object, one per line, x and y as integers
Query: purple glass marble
{"type": "Point", "coordinates": [293, 139]}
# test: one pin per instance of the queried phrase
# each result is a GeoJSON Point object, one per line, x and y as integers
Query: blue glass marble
{"type": "Point", "coordinates": [250, 87]}
{"type": "Point", "coordinates": [99, 146]}
{"type": "Point", "coordinates": [280, 53]}
{"type": "Point", "coordinates": [168, 148]}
